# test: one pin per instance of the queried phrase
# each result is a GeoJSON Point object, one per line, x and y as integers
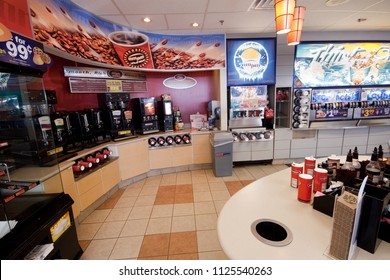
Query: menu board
{"type": "Point", "coordinates": [320, 64]}
{"type": "Point", "coordinates": [89, 85]}
{"type": "Point", "coordinates": [251, 61]}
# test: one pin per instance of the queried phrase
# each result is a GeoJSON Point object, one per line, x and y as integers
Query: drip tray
{"type": "Point", "coordinates": [271, 232]}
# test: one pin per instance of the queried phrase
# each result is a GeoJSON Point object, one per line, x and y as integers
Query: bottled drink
{"type": "Point", "coordinates": [382, 162]}
{"type": "Point", "coordinates": [84, 163]}
{"type": "Point", "coordinates": [78, 168]}
{"type": "Point", "coordinates": [348, 162]}
{"type": "Point", "coordinates": [355, 162]}
{"type": "Point", "coordinates": [373, 169]}
{"type": "Point", "coordinates": [92, 159]}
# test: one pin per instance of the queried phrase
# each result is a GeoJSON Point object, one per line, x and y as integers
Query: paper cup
{"type": "Point", "coordinates": [296, 169]}
{"type": "Point", "coordinates": [132, 48]}
{"type": "Point", "coordinates": [310, 165]}
{"type": "Point", "coordinates": [305, 183]}
{"type": "Point", "coordinates": [320, 181]}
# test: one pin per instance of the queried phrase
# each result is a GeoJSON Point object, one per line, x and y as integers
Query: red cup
{"type": "Point", "coordinates": [310, 165]}
{"type": "Point", "coordinates": [132, 48]}
{"type": "Point", "coordinates": [320, 180]}
{"type": "Point", "coordinates": [305, 183]}
{"type": "Point", "coordinates": [296, 169]}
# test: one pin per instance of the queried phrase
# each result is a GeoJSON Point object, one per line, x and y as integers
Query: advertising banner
{"type": "Point", "coordinates": [69, 28]}
{"type": "Point", "coordinates": [251, 61]}
{"type": "Point", "coordinates": [22, 51]}
{"type": "Point", "coordinates": [341, 64]}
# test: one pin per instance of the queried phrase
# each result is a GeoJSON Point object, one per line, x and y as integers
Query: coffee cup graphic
{"type": "Point", "coordinates": [132, 48]}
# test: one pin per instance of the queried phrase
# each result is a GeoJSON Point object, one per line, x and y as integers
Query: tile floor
{"type": "Point", "coordinates": [171, 216]}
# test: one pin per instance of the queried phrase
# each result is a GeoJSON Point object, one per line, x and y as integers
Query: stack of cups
{"type": "Point", "coordinates": [305, 180]}
{"type": "Point", "coordinates": [296, 170]}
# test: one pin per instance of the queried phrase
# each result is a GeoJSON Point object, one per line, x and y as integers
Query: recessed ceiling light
{"type": "Point", "coordinates": [195, 24]}
{"type": "Point", "coordinates": [146, 19]}
{"type": "Point", "coordinates": [331, 3]}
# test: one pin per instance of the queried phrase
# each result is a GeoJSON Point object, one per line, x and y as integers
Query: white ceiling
{"type": "Point", "coordinates": [237, 16]}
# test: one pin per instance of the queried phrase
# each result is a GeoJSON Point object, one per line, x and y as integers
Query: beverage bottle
{"type": "Point", "coordinates": [382, 162]}
{"type": "Point", "coordinates": [348, 162]}
{"type": "Point", "coordinates": [92, 159]}
{"type": "Point", "coordinates": [373, 169]}
{"type": "Point", "coordinates": [84, 163]}
{"type": "Point", "coordinates": [355, 162]}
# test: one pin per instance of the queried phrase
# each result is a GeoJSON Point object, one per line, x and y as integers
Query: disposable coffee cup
{"type": "Point", "coordinates": [132, 48]}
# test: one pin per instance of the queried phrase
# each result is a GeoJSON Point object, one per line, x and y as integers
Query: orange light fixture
{"type": "Point", "coordinates": [294, 36]}
{"type": "Point", "coordinates": [284, 14]}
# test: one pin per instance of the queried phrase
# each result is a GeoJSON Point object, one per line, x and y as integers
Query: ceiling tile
{"type": "Point", "coordinates": [183, 21]}
{"type": "Point", "coordinates": [225, 6]}
{"type": "Point", "coordinates": [100, 7]}
{"type": "Point", "coordinates": [353, 5]}
{"type": "Point", "coordinates": [158, 6]}
{"type": "Point", "coordinates": [119, 19]}
{"type": "Point", "coordinates": [158, 22]}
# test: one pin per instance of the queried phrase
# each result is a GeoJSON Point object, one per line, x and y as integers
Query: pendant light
{"type": "Point", "coordinates": [294, 36]}
{"type": "Point", "coordinates": [284, 14]}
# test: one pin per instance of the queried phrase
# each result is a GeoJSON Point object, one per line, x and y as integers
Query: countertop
{"type": "Point", "coordinates": [40, 174]}
{"type": "Point", "coordinates": [271, 197]}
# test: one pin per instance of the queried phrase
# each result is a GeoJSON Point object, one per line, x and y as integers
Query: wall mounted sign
{"type": "Point", "coordinates": [251, 61]}
{"type": "Point", "coordinates": [179, 81]}
{"type": "Point", "coordinates": [90, 72]}
{"type": "Point", "coordinates": [67, 27]}
{"type": "Point", "coordinates": [329, 64]}
{"type": "Point", "coordinates": [22, 51]}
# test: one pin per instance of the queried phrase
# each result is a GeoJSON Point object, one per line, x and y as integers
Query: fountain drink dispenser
{"type": "Point", "coordinates": [165, 113]}
{"type": "Point", "coordinates": [145, 115]}
{"type": "Point", "coordinates": [118, 117]}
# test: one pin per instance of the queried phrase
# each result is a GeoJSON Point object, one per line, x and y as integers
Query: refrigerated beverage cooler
{"type": "Point", "coordinates": [251, 130]}
{"type": "Point", "coordinates": [314, 107]}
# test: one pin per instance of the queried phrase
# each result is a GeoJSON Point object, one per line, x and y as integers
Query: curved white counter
{"type": "Point", "coordinates": [272, 197]}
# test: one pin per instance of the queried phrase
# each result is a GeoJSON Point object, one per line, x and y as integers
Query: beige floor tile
{"type": "Point", "coordinates": [149, 190]}
{"type": "Point", "coordinates": [99, 249]}
{"type": "Point", "coordinates": [134, 228]}
{"type": "Point", "coordinates": [218, 186]}
{"type": "Point", "coordinates": [208, 241]}
{"type": "Point", "coordinates": [145, 200]}
{"type": "Point", "coordinates": [132, 191]}
{"type": "Point", "coordinates": [220, 195]}
{"type": "Point", "coordinates": [202, 196]}
{"type": "Point", "coordinates": [126, 248]}
{"type": "Point", "coordinates": [97, 216]}
{"type": "Point", "coordinates": [87, 231]}
{"type": "Point", "coordinates": [214, 255]}
{"type": "Point", "coordinates": [206, 221]}
{"type": "Point", "coordinates": [168, 179]}
{"type": "Point", "coordinates": [183, 209]}
{"type": "Point", "coordinates": [118, 214]}
{"type": "Point", "coordinates": [183, 178]}
{"type": "Point", "coordinates": [204, 207]}
{"type": "Point", "coordinates": [140, 212]}
{"type": "Point", "coordinates": [199, 179]}
{"type": "Point", "coordinates": [199, 172]}
{"type": "Point", "coordinates": [153, 181]}
{"type": "Point", "coordinates": [110, 230]}
{"type": "Point", "coordinates": [164, 210]}
{"type": "Point", "coordinates": [126, 202]}
{"type": "Point", "coordinates": [183, 223]}
{"type": "Point", "coordinates": [219, 205]}
{"type": "Point", "coordinates": [201, 187]}
{"type": "Point", "coordinates": [159, 225]}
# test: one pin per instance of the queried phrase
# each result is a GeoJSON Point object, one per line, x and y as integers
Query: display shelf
{"type": "Point", "coordinates": [283, 107]}
{"type": "Point", "coordinates": [10, 190]}
{"type": "Point", "coordinates": [79, 175]}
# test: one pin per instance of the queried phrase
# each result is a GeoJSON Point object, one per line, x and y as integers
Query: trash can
{"type": "Point", "coordinates": [222, 156]}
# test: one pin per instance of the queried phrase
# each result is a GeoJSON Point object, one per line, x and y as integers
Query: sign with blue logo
{"type": "Point", "coordinates": [251, 61]}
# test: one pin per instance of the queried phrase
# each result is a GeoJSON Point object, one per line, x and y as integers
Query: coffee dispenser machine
{"type": "Point", "coordinates": [118, 117]}
{"type": "Point", "coordinates": [165, 110]}
{"type": "Point", "coordinates": [145, 115]}
{"type": "Point", "coordinates": [95, 119]}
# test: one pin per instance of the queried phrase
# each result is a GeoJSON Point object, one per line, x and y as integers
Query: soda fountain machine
{"type": "Point", "coordinates": [118, 116]}
{"type": "Point", "coordinates": [165, 109]}
{"type": "Point", "coordinates": [145, 115]}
